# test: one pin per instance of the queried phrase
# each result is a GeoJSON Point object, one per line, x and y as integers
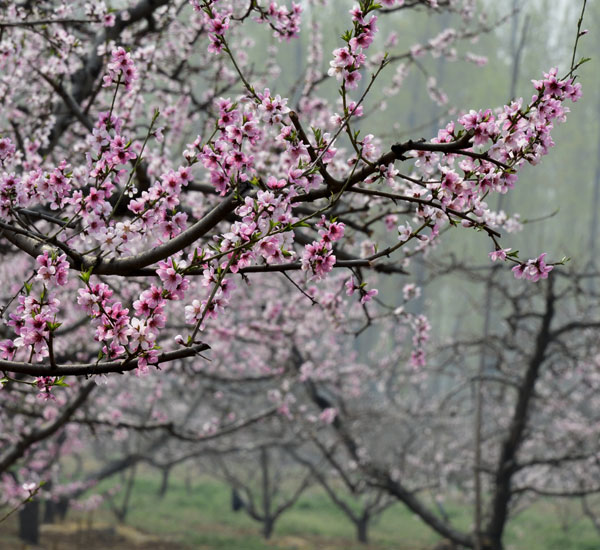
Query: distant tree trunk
{"type": "Point", "coordinates": [362, 530]}
{"type": "Point", "coordinates": [121, 513]}
{"type": "Point", "coordinates": [164, 485]}
{"type": "Point", "coordinates": [188, 483]}
{"type": "Point", "coordinates": [237, 502]}
{"type": "Point", "coordinates": [506, 467]}
{"type": "Point", "coordinates": [29, 529]}
{"type": "Point", "coordinates": [49, 511]}
{"type": "Point", "coordinates": [49, 507]}
{"type": "Point", "coordinates": [55, 509]}
{"type": "Point", "coordinates": [266, 494]}
{"type": "Point", "coordinates": [267, 529]}
{"type": "Point", "coordinates": [62, 507]}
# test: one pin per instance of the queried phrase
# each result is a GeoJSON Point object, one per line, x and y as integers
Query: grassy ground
{"type": "Point", "coordinates": [200, 518]}
{"type": "Point", "coordinates": [203, 519]}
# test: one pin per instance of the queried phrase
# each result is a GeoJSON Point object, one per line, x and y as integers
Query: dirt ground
{"type": "Point", "coordinates": [78, 536]}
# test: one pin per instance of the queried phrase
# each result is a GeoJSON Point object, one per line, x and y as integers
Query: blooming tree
{"type": "Point", "coordinates": [134, 243]}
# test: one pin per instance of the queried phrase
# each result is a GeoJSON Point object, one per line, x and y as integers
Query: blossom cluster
{"type": "Point", "coordinates": [215, 21]}
{"type": "Point", "coordinates": [120, 69]}
{"type": "Point", "coordinates": [34, 319]}
{"type": "Point", "coordinates": [318, 257]}
{"type": "Point", "coordinates": [421, 330]}
{"type": "Point", "coordinates": [53, 270]}
{"type": "Point", "coordinates": [224, 158]}
{"type": "Point", "coordinates": [284, 21]}
{"type": "Point", "coordinates": [110, 318]}
{"type": "Point", "coordinates": [533, 270]}
{"type": "Point", "coordinates": [30, 323]}
{"type": "Point", "coordinates": [120, 333]}
{"type": "Point", "coordinates": [513, 136]}
{"type": "Point", "coordinates": [99, 10]}
{"type": "Point", "coordinates": [365, 295]}
{"type": "Point", "coordinates": [7, 148]}
{"type": "Point", "coordinates": [348, 60]}
{"type": "Point", "coordinates": [36, 186]}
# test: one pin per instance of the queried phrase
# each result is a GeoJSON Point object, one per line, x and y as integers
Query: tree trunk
{"type": "Point", "coordinates": [164, 485]}
{"type": "Point", "coordinates": [189, 489]}
{"type": "Point", "coordinates": [237, 502]}
{"type": "Point", "coordinates": [492, 543]}
{"type": "Point", "coordinates": [124, 510]}
{"type": "Point", "coordinates": [266, 493]}
{"type": "Point", "coordinates": [362, 530]}
{"type": "Point", "coordinates": [49, 511]}
{"type": "Point", "coordinates": [506, 467]}
{"type": "Point", "coordinates": [29, 529]}
{"type": "Point", "coordinates": [62, 507]}
{"type": "Point", "coordinates": [267, 530]}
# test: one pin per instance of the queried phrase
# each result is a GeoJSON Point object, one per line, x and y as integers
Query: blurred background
{"type": "Point", "coordinates": [270, 498]}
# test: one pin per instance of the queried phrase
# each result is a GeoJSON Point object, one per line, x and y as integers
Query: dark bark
{"type": "Point", "coordinates": [55, 510]}
{"type": "Point", "coordinates": [49, 511]}
{"type": "Point", "coordinates": [507, 463]}
{"type": "Point", "coordinates": [29, 518]}
{"type": "Point", "coordinates": [123, 510]}
{"type": "Point", "coordinates": [362, 529]}
{"type": "Point", "coordinates": [237, 503]}
{"type": "Point", "coordinates": [268, 519]}
{"type": "Point", "coordinates": [62, 507]}
{"type": "Point", "coordinates": [164, 484]}
{"type": "Point", "coordinates": [267, 529]}
{"type": "Point", "coordinates": [414, 504]}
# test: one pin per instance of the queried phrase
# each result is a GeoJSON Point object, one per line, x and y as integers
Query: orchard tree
{"type": "Point", "coordinates": [410, 428]}
{"type": "Point", "coordinates": [265, 484]}
{"type": "Point", "coordinates": [163, 211]}
{"type": "Point", "coordinates": [347, 489]}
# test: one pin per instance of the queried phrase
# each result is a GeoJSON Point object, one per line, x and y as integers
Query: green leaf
{"type": "Point", "coordinates": [85, 275]}
{"type": "Point", "coordinates": [61, 383]}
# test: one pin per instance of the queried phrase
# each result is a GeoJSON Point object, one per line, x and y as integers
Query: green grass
{"type": "Point", "coordinates": [202, 519]}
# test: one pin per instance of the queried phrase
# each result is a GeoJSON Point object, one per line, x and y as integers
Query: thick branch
{"type": "Point", "coordinates": [95, 368]}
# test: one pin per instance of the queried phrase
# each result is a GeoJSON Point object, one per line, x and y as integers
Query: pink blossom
{"type": "Point", "coordinates": [7, 148]}
{"type": "Point", "coordinates": [367, 295]}
{"type": "Point", "coordinates": [121, 67]}
{"type": "Point", "coordinates": [351, 286]}
{"type": "Point", "coordinates": [533, 270]}
{"type": "Point", "coordinates": [328, 415]}
{"type": "Point", "coordinates": [499, 254]}
{"type": "Point", "coordinates": [52, 270]}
